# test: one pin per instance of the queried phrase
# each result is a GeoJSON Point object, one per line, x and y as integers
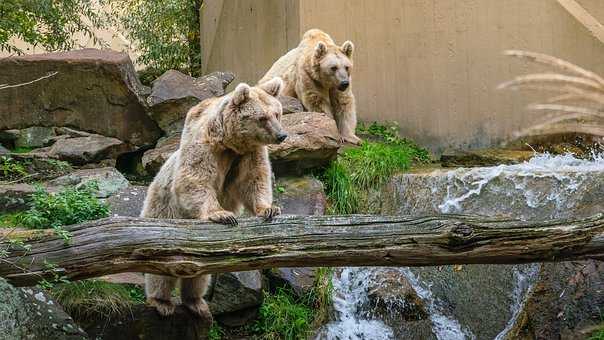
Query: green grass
{"type": "Point", "coordinates": [69, 206]}
{"type": "Point", "coordinates": [598, 335]}
{"type": "Point", "coordinates": [216, 332]}
{"type": "Point", "coordinates": [358, 170]}
{"type": "Point", "coordinates": [87, 298]}
{"type": "Point", "coordinates": [283, 316]}
{"type": "Point", "coordinates": [22, 149]}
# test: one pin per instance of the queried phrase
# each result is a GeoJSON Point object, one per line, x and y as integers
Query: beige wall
{"type": "Point", "coordinates": [431, 65]}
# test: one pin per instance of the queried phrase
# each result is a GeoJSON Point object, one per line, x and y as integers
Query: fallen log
{"type": "Point", "coordinates": [186, 248]}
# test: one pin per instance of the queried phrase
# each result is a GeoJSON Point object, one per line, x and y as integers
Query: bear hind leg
{"type": "Point", "coordinates": [192, 291]}
{"type": "Point", "coordinates": [158, 289]}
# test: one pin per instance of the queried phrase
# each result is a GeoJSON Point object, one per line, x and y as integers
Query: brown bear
{"type": "Point", "coordinates": [318, 72]}
{"type": "Point", "coordinates": [222, 164]}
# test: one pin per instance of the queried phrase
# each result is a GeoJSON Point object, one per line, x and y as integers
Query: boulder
{"type": "Point", "coordinates": [128, 201]}
{"type": "Point", "coordinates": [300, 279]}
{"type": "Point", "coordinates": [15, 197]}
{"type": "Point", "coordinates": [236, 291]}
{"type": "Point", "coordinates": [29, 313]}
{"type": "Point", "coordinates": [174, 93]}
{"type": "Point", "coordinates": [109, 180]}
{"type": "Point", "coordinates": [313, 141]}
{"type": "Point", "coordinates": [153, 159]}
{"type": "Point", "coordinates": [8, 137]}
{"type": "Point", "coordinates": [3, 150]}
{"type": "Point", "coordinates": [35, 137]}
{"type": "Point", "coordinates": [82, 150]}
{"type": "Point", "coordinates": [290, 104]}
{"type": "Point", "coordinates": [93, 90]}
{"type": "Point", "coordinates": [484, 157]}
{"type": "Point", "coordinates": [300, 195]}
{"type": "Point", "coordinates": [38, 167]}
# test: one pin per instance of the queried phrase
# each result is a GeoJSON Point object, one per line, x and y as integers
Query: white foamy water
{"type": "Point", "coordinates": [350, 292]}
{"type": "Point", "coordinates": [566, 170]}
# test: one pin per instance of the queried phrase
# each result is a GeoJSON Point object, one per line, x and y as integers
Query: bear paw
{"type": "Point", "coordinates": [163, 307]}
{"type": "Point", "coordinates": [200, 308]}
{"type": "Point", "coordinates": [223, 217]}
{"type": "Point", "coordinates": [269, 213]}
{"type": "Point", "coordinates": [354, 140]}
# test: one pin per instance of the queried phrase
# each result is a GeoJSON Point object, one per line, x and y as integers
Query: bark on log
{"type": "Point", "coordinates": [187, 248]}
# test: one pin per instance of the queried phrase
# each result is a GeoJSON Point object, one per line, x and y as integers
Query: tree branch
{"type": "Point", "coordinates": [6, 86]}
{"type": "Point", "coordinates": [187, 248]}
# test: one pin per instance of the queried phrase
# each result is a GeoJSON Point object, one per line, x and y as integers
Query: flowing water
{"type": "Point", "coordinates": [479, 301]}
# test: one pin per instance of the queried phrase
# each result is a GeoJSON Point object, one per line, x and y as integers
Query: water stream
{"type": "Point", "coordinates": [543, 187]}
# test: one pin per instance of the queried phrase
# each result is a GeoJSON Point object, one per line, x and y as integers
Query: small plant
{"type": "Point", "coordinates": [282, 316]}
{"type": "Point", "coordinates": [598, 335]}
{"type": "Point", "coordinates": [320, 297]}
{"type": "Point", "coordinates": [11, 169]}
{"type": "Point", "coordinates": [69, 206]}
{"type": "Point", "coordinates": [216, 332]}
{"type": "Point", "coordinates": [22, 149]}
{"type": "Point", "coordinates": [389, 133]}
{"type": "Point", "coordinates": [86, 298]}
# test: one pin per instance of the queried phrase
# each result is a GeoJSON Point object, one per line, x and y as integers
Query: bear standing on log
{"type": "Point", "coordinates": [318, 72]}
{"type": "Point", "coordinates": [221, 165]}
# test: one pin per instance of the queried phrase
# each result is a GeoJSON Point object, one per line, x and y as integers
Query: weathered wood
{"type": "Point", "coordinates": [190, 247]}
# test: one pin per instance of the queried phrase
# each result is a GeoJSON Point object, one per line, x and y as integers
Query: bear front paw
{"type": "Point", "coordinates": [269, 213]}
{"type": "Point", "coordinates": [354, 140]}
{"type": "Point", "coordinates": [223, 217]}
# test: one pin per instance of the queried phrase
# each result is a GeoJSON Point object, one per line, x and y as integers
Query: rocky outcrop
{"type": "Point", "coordinates": [35, 137]}
{"type": "Point", "coordinates": [313, 141]}
{"type": "Point", "coordinates": [300, 195]}
{"type": "Point", "coordinates": [300, 279]}
{"type": "Point", "coordinates": [93, 90]}
{"type": "Point", "coordinates": [28, 313]}
{"type": "Point", "coordinates": [174, 93]}
{"type": "Point", "coordinates": [108, 180]}
{"type": "Point", "coordinates": [90, 149]}
{"type": "Point", "coordinates": [153, 159]}
{"type": "Point", "coordinates": [128, 201]}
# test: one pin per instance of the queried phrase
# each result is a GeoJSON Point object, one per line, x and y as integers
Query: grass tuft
{"type": "Point", "coordinates": [360, 169]}
{"type": "Point", "coordinates": [89, 298]}
{"type": "Point", "coordinates": [283, 316]}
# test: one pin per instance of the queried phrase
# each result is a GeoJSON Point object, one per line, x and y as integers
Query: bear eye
{"type": "Point", "coordinates": [347, 68]}
{"type": "Point", "coordinates": [334, 68]}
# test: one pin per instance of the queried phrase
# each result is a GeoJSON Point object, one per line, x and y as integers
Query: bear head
{"type": "Point", "coordinates": [333, 64]}
{"type": "Point", "coordinates": [251, 116]}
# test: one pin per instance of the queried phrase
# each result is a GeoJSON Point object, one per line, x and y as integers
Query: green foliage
{"type": "Point", "coordinates": [69, 206]}
{"type": "Point", "coordinates": [216, 332]}
{"type": "Point", "coordinates": [283, 316]}
{"type": "Point", "coordinates": [360, 169]}
{"type": "Point", "coordinates": [47, 23]}
{"type": "Point", "coordinates": [22, 149]}
{"type": "Point", "coordinates": [86, 298]}
{"type": "Point", "coordinates": [11, 169]}
{"type": "Point", "coordinates": [320, 297]}
{"type": "Point", "coordinates": [165, 31]}
{"type": "Point", "coordinates": [598, 335]}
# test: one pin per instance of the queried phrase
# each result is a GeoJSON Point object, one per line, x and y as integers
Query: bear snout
{"type": "Point", "coordinates": [343, 85]}
{"type": "Point", "coordinates": [281, 137]}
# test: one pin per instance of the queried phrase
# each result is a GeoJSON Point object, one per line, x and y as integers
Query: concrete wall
{"type": "Point", "coordinates": [430, 65]}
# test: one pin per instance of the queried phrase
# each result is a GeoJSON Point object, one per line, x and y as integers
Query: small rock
{"type": "Point", "coordinates": [82, 150]}
{"type": "Point", "coordinates": [313, 141]}
{"type": "Point", "coordinates": [174, 93]}
{"type": "Point", "coordinates": [109, 180]}
{"type": "Point", "coordinates": [35, 137]}
{"type": "Point", "coordinates": [128, 201]}
{"type": "Point", "coordinates": [236, 291]}
{"type": "Point", "coordinates": [300, 195]}
{"type": "Point", "coordinates": [290, 104]}
{"type": "Point", "coordinates": [153, 159]}
{"type": "Point", "coordinates": [300, 279]}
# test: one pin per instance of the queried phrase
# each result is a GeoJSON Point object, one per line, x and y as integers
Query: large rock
{"type": "Point", "coordinates": [300, 279]}
{"type": "Point", "coordinates": [484, 157]}
{"type": "Point", "coordinates": [83, 150]}
{"type": "Point", "coordinates": [109, 180]}
{"type": "Point", "coordinates": [174, 93]}
{"type": "Point", "coordinates": [35, 137]}
{"type": "Point", "coordinates": [300, 195]}
{"type": "Point", "coordinates": [153, 159]}
{"type": "Point", "coordinates": [290, 104]}
{"type": "Point", "coordinates": [236, 291]}
{"type": "Point", "coordinates": [313, 141]}
{"type": "Point", "coordinates": [38, 167]}
{"type": "Point", "coordinates": [93, 90]}
{"type": "Point", "coordinates": [128, 201]}
{"type": "Point", "coordinates": [15, 197]}
{"type": "Point", "coordinates": [28, 313]}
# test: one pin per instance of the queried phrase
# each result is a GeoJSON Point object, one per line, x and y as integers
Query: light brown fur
{"type": "Point", "coordinates": [315, 73]}
{"type": "Point", "coordinates": [221, 166]}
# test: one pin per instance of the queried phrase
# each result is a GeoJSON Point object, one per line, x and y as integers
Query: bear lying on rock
{"type": "Point", "coordinates": [221, 165]}
{"type": "Point", "coordinates": [318, 72]}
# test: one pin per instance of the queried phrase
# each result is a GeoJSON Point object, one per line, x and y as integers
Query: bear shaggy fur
{"type": "Point", "coordinates": [222, 164]}
{"type": "Point", "coordinates": [318, 73]}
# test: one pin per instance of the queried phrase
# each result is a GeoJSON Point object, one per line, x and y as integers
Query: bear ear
{"type": "Point", "coordinates": [347, 48]}
{"type": "Point", "coordinates": [241, 94]}
{"type": "Point", "coordinates": [273, 86]}
{"type": "Point", "coordinates": [320, 50]}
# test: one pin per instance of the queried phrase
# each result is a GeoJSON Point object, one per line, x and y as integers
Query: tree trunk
{"type": "Point", "coordinates": [187, 248]}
